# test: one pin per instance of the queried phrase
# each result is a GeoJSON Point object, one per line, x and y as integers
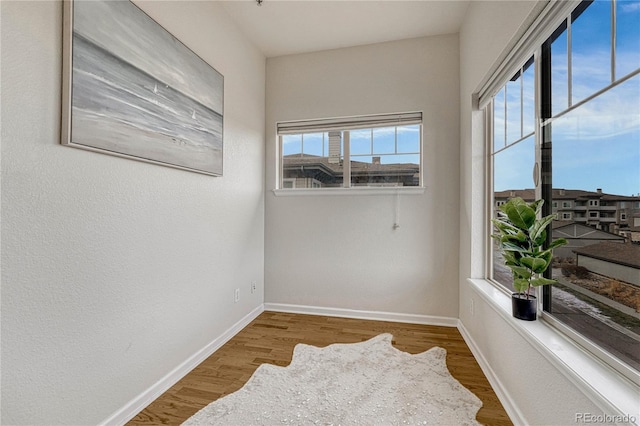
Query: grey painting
{"type": "Point", "coordinates": [134, 90]}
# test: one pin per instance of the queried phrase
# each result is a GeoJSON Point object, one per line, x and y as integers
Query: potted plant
{"type": "Point", "coordinates": [521, 237]}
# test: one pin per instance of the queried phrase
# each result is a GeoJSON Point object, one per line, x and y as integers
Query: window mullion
{"type": "Point", "coordinates": [371, 142]}
{"type": "Point", "coordinates": [613, 40]}
{"type": "Point", "coordinates": [396, 140]}
{"type": "Point", "coordinates": [522, 102]}
{"type": "Point", "coordinates": [569, 66]}
{"type": "Point", "coordinates": [505, 115]}
{"type": "Point", "coordinates": [546, 182]}
{"type": "Point", "coordinates": [346, 162]}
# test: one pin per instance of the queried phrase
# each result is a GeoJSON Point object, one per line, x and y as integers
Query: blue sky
{"type": "Point", "coordinates": [597, 145]}
{"type": "Point", "coordinates": [403, 142]}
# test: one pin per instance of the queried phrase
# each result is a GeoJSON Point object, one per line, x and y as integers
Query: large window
{"type": "Point", "coordinates": [583, 154]}
{"type": "Point", "coordinates": [372, 151]}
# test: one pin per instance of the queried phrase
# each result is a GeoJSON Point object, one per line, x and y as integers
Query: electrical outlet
{"type": "Point", "coordinates": [253, 286]}
{"type": "Point", "coordinates": [237, 295]}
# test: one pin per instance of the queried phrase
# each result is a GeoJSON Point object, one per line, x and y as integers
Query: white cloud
{"type": "Point", "coordinates": [629, 7]}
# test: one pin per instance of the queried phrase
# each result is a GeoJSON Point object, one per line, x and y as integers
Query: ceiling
{"type": "Point", "coordinates": [284, 27]}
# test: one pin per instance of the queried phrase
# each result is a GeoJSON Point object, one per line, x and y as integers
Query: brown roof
{"type": "Point", "coordinates": [623, 254]}
{"type": "Point", "coordinates": [356, 166]}
{"type": "Point", "coordinates": [564, 194]}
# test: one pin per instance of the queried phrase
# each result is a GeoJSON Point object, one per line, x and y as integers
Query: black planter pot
{"type": "Point", "coordinates": [523, 308]}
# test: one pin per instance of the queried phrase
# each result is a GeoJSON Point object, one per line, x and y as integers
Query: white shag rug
{"type": "Point", "coordinates": [367, 383]}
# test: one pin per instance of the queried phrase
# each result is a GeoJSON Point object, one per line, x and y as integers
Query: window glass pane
{"type": "Point", "coordinates": [386, 170]}
{"type": "Point", "coordinates": [384, 140]}
{"type": "Point", "coordinates": [627, 37]}
{"type": "Point", "coordinates": [513, 167]}
{"type": "Point", "coordinates": [498, 121]}
{"type": "Point", "coordinates": [514, 95]}
{"type": "Point", "coordinates": [360, 141]}
{"type": "Point", "coordinates": [596, 165]}
{"type": "Point", "coordinates": [512, 170]}
{"type": "Point", "coordinates": [313, 144]}
{"type": "Point", "coordinates": [528, 99]}
{"type": "Point", "coordinates": [291, 144]}
{"type": "Point", "coordinates": [409, 139]}
{"type": "Point", "coordinates": [385, 156]}
{"type": "Point", "coordinates": [598, 144]}
{"type": "Point", "coordinates": [312, 168]}
{"type": "Point", "coordinates": [559, 74]}
{"type": "Point", "coordinates": [591, 50]}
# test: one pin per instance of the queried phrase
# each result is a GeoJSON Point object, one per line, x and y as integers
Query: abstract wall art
{"type": "Point", "coordinates": [132, 89]}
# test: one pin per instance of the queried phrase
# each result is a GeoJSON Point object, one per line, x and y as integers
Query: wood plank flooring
{"type": "Point", "coordinates": [271, 337]}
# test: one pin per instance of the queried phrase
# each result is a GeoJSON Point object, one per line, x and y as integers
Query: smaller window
{"type": "Point", "coordinates": [566, 204]}
{"type": "Point", "coordinates": [371, 151]}
{"type": "Point", "coordinates": [566, 216]}
{"type": "Point", "coordinates": [554, 204]}
{"type": "Point", "coordinates": [623, 216]}
{"type": "Point", "coordinates": [594, 215]}
{"type": "Point", "coordinates": [594, 203]}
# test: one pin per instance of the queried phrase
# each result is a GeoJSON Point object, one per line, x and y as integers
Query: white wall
{"type": "Point", "coordinates": [624, 273]}
{"type": "Point", "coordinates": [341, 251]}
{"type": "Point", "coordinates": [534, 384]}
{"type": "Point", "coordinates": [115, 271]}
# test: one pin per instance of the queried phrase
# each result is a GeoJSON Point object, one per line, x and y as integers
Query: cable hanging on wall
{"type": "Point", "coordinates": [396, 223]}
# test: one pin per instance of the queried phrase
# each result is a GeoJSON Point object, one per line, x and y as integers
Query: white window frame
{"type": "Point", "coordinates": [346, 124]}
{"type": "Point", "coordinates": [585, 365]}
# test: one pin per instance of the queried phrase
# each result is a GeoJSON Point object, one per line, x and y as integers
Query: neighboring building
{"type": "Point", "coordinates": [579, 236]}
{"type": "Point", "coordinates": [633, 232]}
{"type": "Point", "coordinates": [311, 171]}
{"type": "Point", "coordinates": [619, 261]}
{"type": "Point", "coordinates": [606, 212]}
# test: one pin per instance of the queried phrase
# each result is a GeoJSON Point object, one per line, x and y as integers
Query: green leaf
{"type": "Point", "coordinates": [541, 238]}
{"type": "Point", "coordinates": [547, 255]}
{"type": "Point", "coordinates": [505, 228]}
{"type": "Point", "coordinates": [537, 282]}
{"type": "Point", "coordinates": [537, 206]}
{"type": "Point", "coordinates": [557, 243]}
{"type": "Point", "coordinates": [509, 246]}
{"type": "Point", "coordinates": [515, 239]}
{"type": "Point", "coordinates": [539, 227]}
{"type": "Point", "coordinates": [519, 213]}
{"type": "Point", "coordinates": [536, 264]}
{"type": "Point", "coordinates": [520, 285]}
{"type": "Point", "coordinates": [520, 237]}
{"type": "Point", "coordinates": [510, 258]}
{"type": "Point", "coordinates": [520, 271]}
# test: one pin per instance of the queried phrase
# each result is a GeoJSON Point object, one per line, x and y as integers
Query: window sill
{"type": "Point", "coordinates": [414, 190]}
{"type": "Point", "coordinates": [613, 393]}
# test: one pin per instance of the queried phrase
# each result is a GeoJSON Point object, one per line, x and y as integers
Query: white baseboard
{"type": "Point", "coordinates": [369, 315]}
{"type": "Point", "coordinates": [139, 403]}
{"type": "Point", "coordinates": [503, 395]}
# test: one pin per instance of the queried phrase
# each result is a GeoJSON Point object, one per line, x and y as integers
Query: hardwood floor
{"type": "Point", "coordinates": [271, 337]}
